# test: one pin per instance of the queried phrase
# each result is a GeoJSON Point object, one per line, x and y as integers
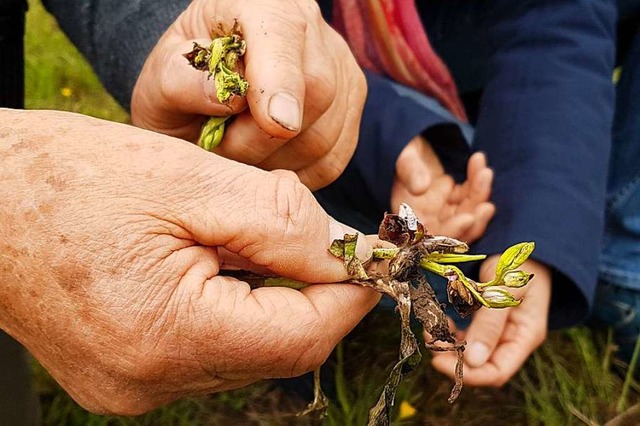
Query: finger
{"type": "Point", "coordinates": [483, 214]}
{"type": "Point", "coordinates": [276, 37]}
{"type": "Point", "coordinates": [328, 168]}
{"type": "Point", "coordinates": [185, 89]}
{"type": "Point", "coordinates": [438, 194]}
{"type": "Point", "coordinates": [448, 210]}
{"type": "Point", "coordinates": [312, 144]}
{"type": "Point", "coordinates": [508, 357]}
{"type": "Point", "coordinates": [291, 332]}
{"type": "Point", "coordinates": [477, 162]}
{"type": "Point", "coordinates": [458, 193]}
{"type": "Point", "coordinates": [286, 174]}
{"type": "Point", "coordinates": [484, 334]}
{"type": "Point", "coordinates": [272, 221]}
{"type": "Point", "coordinates": [478, 191]}
{"type": "Point", "coordinates": [481, 187]}
{"type": "Point", "coordinates": [246, 141]}
{"type": "Point", "coordinates": [231, 261]}
{"type": "Point", "coordinates": [457, 226]}
{"type": "Point", "coordinates": [411, 170]}
{"type": "Point", "coordinates": [425, 206]}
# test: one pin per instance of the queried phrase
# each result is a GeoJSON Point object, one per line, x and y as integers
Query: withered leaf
{"type": "Point", "coordinates": [429, 312]}
{"type": "Point", "coordinates": [461, 298]}
{"type": "Point", "coordinates": [337, 248]}
{"type": "Point", "coordinates": [403, 280]}
{"type": "Point", "coordinates": [345, 249]}
{"type": "Point", "coordinates": [394, 229]}
{"type": "Point", "coordinates": [410, 357]}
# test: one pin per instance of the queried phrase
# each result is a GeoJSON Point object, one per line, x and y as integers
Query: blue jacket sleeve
{"type": "Point", "coordinates": [116, 36]}
{"type": "Point", "coordinates": [545, 123]}
{"type": "Point", "coordinates": [393, 115]}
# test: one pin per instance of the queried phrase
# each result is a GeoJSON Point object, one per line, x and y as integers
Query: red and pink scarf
{"type": "Point", "coordinates": [387, 36]}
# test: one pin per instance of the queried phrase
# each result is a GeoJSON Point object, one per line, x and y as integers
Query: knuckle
{"type": "Point", "coordinates": [287, 17]}
{"type": "Point", "coordinates": [330, 172]}
{"type": "Point", "coordinates": [291, 199]}
{"type": "Point", "coordinates": [311, 9]}
{"type": "Point", "coordinates": [321, 85]}
{"type": "Point", "coordinates": [320, 175]}
{"type": "Point", "coordinates": [318, 143]}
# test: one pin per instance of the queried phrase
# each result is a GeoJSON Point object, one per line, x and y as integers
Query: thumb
{"type": "Point", "coordinates": [272, 220]}
{"type": "Point", "coordinates": [187, 90]}
{"type": "Point", "coordinates": [483, 335]}
{"type": "Point", "coordinates": [275, 39]}
{"type": "Point", "coordinates": [487, 325]}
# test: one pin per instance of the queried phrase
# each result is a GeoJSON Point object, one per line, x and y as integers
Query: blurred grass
{"type": "Point", "coordinates": [57, 76]}
{"type": "Point", "coordinates": [571, 380]}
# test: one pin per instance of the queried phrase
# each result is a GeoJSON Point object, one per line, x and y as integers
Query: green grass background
{"type": "Point", "coordinates": [572, 379]}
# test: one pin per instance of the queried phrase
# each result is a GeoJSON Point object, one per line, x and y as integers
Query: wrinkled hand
{"type": "Point", "coordinates": [499, 341]}
{"type": "Point", "coordinates": [460, 211]}
{"type": "Point", "coordinates": [305, 97]}
{"type": "Point", "coordinates": [112, 240]}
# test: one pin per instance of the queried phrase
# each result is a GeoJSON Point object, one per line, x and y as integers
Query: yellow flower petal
{"type": "Point", "coordinates": [66, 92]}
{"type": "Point", "coordinates": [406, 410]}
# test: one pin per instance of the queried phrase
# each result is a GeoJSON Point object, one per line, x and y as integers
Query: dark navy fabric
{"type": "Point", "coordinates": [393, 115]}
{"type": "Point", "coordinates": [620, 258]}
{"type": "Point", "coordinates": [12, 53]}
{"type": "Point", "coordinates": [544, 120]}
{"type": "Point", "coordinates": [116, 36]}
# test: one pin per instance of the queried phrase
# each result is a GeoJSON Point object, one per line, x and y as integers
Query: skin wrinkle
{"type": "Point", "coordinates": [288, 198]}
{"type": "Point", "coordinates": [154, 307]}
{"type": "Point", "coordinates": [229, 193]}
{"type": "Point", "coordinates": [148, 318]}
{"type": "Point", "coordinates": [150, 247]}
{"type": "Point", "coordinates": [298, 367]}
{"type": "Point", "coordinates": [241, 345]}
{"type": "Point", "coordinates": [216, 325]}
{"type": "Point", "coordinates": [165, 316]}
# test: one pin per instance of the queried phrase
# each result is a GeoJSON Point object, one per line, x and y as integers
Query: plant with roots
{"type": "Point", "coordinates": [397, 271]}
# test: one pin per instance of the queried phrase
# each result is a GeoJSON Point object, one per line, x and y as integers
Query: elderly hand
{"type": "Point", "coordinates": [499, 341]}
{"type": "Point", "coordinates": [460, 211]}
{"type": "Point", "coordinates": [112, 240]}
{"type": "Point", "coordinates": [305, 97]}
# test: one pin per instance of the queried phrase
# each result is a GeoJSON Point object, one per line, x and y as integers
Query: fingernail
{"type": "Point", "coordinates": [476, 354]}
{"type": "Point", "coordinates": [285, 110]}
{"type": "Point", "coordinates": [364, 251]}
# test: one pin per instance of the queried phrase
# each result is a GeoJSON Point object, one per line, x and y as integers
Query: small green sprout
{"type": "Point", "coordinates": [220, 60]}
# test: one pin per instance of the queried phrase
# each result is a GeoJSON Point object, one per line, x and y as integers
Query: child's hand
{"type": "Point", "coordinates": [460, 211]}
